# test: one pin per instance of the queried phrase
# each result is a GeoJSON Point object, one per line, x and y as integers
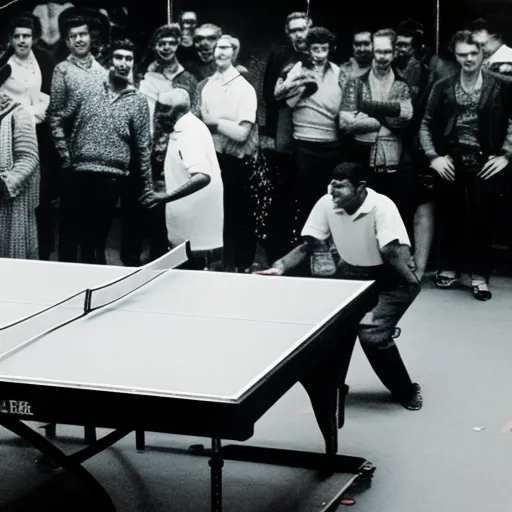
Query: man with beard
{"type": "Point", "coordinates": [191, 190]}
{"type": "Point", "coordinates": [361, 60]}
{"type": "Point", "coordinates": [202, 63]}
{"type": "Point", "coordinates": [188, 25]}
{"type": "Point", "coordinates": [110, 139]}
{"type": "Point", "coordinates": [466, 134]}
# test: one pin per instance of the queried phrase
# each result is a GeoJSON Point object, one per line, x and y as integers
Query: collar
{"type": "Point", "coordinates": [128, 90]}
{"type": "Point", "coordinates": [479, 81]}
{"type": "Point", "coordinates": [183, 122]}
{"type": "Point", "coordinates": [156, 67]}
{"type": "Point", "coordinates": [81, 63]}
{"type": "Point", "coordinates": [227, 76]}
{"type": "Point", "coordinates": [390, 77]}
{"type": "Point", "coordinates": [366, 208]}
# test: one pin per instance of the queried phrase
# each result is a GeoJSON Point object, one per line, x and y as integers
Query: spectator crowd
{"type": "Point", "coordinates": [168, 136]}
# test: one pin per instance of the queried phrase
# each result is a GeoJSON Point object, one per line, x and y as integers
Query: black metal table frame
{"type": "Point", "coordinates": [321, 370]}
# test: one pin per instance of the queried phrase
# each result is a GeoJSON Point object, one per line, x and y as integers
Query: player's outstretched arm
{"type": "Point", "coordinates": [294, 258]}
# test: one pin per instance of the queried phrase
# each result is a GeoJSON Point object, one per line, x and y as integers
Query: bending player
{"type": "Point", "coordinates": [369, 242]}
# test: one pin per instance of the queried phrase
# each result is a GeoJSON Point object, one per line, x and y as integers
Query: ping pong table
{"type": "Point", "coordinates": [160, 348]}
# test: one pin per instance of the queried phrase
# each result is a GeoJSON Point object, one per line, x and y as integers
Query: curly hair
{"type": "Point", "coordinates": [320, 35]}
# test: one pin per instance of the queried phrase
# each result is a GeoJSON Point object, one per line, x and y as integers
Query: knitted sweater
{"type": "Point", "coordinates": [69, 78]}
{"type": "Point", "coordinates": [111, 133]}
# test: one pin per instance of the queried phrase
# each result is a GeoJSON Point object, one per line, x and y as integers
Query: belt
{"type": "Point", "coordinates": [384, 170]}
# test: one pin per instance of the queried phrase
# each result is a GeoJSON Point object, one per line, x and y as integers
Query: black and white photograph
{"type": "Point", "coordinates": [255, 256]}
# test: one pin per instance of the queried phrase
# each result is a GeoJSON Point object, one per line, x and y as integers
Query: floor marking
{"type": "Point", "coordinates": [304, 411]}
{"type": "Point", "coordinates": [507, 429]}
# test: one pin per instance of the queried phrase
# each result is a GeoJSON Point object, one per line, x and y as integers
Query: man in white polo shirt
{"type": "Point", "coordinates": [193, 185]}
{"type": "Point", "coordinates": [370, 242]}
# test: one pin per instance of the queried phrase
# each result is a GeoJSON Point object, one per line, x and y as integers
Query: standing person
{"type": "Point", "coordinates": [313, 92]}
{"type": "Point", "coordinates": [377, 109]}
{"type": "Point", "coordinates": [362, 56]}
{"type": "Point", "coordinates": [466, 134]}
{"type": "Point", "coordinates": [29, 84]}
{"type": "Point", "coordinates": [166, 72]}
{"type": "Point", "coordinates": [202, 63]}
{"type": "Point", "coordinates": [110, 139]}
{"type": "Point", "coordinates": [370, 242]}
{"type": "Point", "coordinates": [19, 178]}
{"type": "Point", "coordinates": [193, 191]}
{"type": "Point", "coordinates": [277, 137]}
{"type": "Point", "coordinates": [188, 24]}
{"type": "Point", "coordinates": [228, 106]}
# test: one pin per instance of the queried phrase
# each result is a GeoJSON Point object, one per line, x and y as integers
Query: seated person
{"type": "Point", "coordinates": [370, 242]}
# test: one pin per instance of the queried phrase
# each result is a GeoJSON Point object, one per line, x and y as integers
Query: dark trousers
{"type": "Point", "coordinates": [239, 215]}
{"type": "Point", "coordinates": [279, 233]}
{"type": "Point", "coordinates": [315, 164]}
{"type": "Point", "coordinates": [138, 224]}
{"type": "Point", "coordinates": [48, 191]}
{"type": "Point", "coordinates": [376, 330]}
{"type": "Point", "coordinates": [87, 209]}
{"type": "Point", "coordinates": [466, 215]}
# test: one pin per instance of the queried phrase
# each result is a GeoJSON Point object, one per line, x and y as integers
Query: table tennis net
{"type": "Point", "coordinates": [119, 288]}
{"type": "Point", "coordinates": [17, 335]}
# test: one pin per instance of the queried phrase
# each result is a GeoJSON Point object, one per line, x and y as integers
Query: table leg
{"type": "Point", "coordinates": [53, 458]}
{"type": "Point", "coordinates": [89, 434]}
{"type": "Point", "coordinates": [216, 463]}
{"type": "Point", "coordinates": [140, 440]}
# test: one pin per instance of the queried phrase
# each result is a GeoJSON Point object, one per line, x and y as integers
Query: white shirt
{"type": "Point", "coordinates": [502, 54]}
{"type": "Point", "coordinates": [358, 237]}
{"type": "Point", "coordinates": [198, 217]}
{"type": "Point", "coordinates": [230, 96]}
{"type": "Point", "coordinates": [24, 86]}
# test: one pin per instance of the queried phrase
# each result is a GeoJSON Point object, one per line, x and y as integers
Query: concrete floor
{"type": "Point", "coordinates": [452, 456]}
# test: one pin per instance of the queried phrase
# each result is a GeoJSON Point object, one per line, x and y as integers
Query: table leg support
{"type": "Point", "coordinates": [54, 458]}
{"type": "Point", "coordinates": [216, 463]}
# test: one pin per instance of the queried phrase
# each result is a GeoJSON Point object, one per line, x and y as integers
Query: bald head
{"type": "Point", "coordinates": [175, 97]}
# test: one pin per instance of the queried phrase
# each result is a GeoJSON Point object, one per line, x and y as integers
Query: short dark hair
{"type": "Point", "coordinates": [75, 22]}
{"type": "Point", "coordinates": [121, 44]}
{"type": "Point", "coordinates": [172, 30]}
{"type": "Point", "coordinates": [351, 171]}
{"type": "Point", "coordinates": [462, 36]}
{"type": "Point", "coordinates": [25, 20]}
{"type": "Point", "coordinates": [412, 28]}
{"type": "Point", "coordinates": [493, 23]}
{"type": "Point", "coordinates": [320, 35]}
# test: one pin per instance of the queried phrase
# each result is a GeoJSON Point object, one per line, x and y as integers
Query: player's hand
{"type": "Point", "coordinates": [443, 165]}
{"type": "Point", "coordinates": [494, 165]}
{"type": "Point", "coordinates": [152, 199]}
{"type": "Point", "coordinates": [270, 272]}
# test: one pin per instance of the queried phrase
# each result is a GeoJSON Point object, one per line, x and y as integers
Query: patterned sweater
{"type": "Point", "coordinates": [69, 78]}
{"type": "Point", "coordinates": [111, 133]}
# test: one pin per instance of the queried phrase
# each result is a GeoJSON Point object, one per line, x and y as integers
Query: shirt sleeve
{"type": "Point", "coordinates": [248, 105]}
{"type": "Point", "coordinates": [317, 224]}
{"type": "Point", "coordinates": [389, 225]}
{"type": "Point", "coordinates": [193, 155]}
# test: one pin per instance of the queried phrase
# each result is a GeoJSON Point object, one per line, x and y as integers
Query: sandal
{"type": "Point", "coordinates": [445, 280]}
